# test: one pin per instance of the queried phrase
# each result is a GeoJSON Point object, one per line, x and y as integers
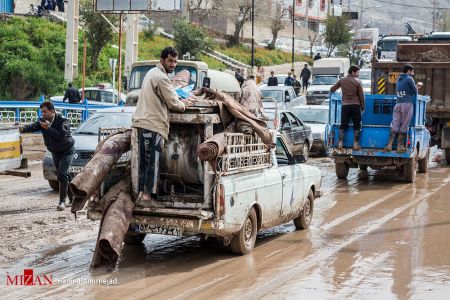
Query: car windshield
{"type": "Point", "coordinates": [104, 120]}
{"type": "Point", "coordinates": [138, 74]}
{"type": "Point", "coordinates": [281, 79]}
{"type": "Point", "coordinates": [364, 75]}
{"type": "Point", "coordinates": [324, 80]}
{"type": "Point", "coordinates": [389, 45]}
{"type": "Point", "coordinates": [275, 94]}
{"type": "Point", "coordinates": [317, 116]}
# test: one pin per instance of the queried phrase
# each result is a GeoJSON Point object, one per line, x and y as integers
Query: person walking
{"type": "Point", "coordinates": [72, 94]}
{"type": "Point", "coordinates": [352, 104]}
{"type": "Point", "coordinates": [406, 91]}
{"type": "Point", "coordinates": [305, 75]}
{"type": "Point", "coordinates": [288, 81]}
{"type": "Point", "coordinates": [151, 119]}
{"type": "Point", "coordinates": [273, 80]}
{"type": "Point", "coordinates": [55, 130]}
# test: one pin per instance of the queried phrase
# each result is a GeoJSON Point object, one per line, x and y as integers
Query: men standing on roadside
{"type": "Point", "coordinates": [404, 108]}
{"type": "Point", "coordinates": [318, 56]}
{"type": "Point", "coordinates": [288, 81]}
{"type": "Point", "coordinates": [305, 75]}
{"type": "Point", "coordinates": [296, 85]}
{"type": "Point", "coordinates": [151, 119]}
{"type": "Point", "coordinates": [273, 80]}
{"type": "Point", "coordinates": [352, 104]}
{"type": "Point", "coordinates": [59, 142]}
{"type": "Point", "coordinates": [72, 94]}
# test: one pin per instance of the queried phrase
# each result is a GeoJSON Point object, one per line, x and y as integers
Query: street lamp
{"type": "Point", "coordinates": [293, 31]}
{"type": "Point", "coordinates": [253, 35]}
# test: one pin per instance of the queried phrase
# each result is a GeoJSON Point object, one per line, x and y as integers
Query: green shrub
{"type": "Point", "coordinates": [190, 38]}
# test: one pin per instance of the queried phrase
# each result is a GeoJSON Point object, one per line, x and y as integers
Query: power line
{"type": "Point", "coordinates": [409, 5]}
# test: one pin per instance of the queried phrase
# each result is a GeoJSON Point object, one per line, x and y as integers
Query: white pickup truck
{"type": "Point", "coordinates": [10, 148]}
{"type": "Point", "coordinates": [254, 187]}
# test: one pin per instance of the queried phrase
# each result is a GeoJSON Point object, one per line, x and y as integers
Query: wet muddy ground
{"type": "Point", "coordinates": [372, 237]}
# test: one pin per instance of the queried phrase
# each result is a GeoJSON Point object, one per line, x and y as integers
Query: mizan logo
{"type": "Point", "coordinates": [28, 278]}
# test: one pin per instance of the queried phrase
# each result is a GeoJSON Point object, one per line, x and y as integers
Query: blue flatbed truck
{"type": "Point", "coordinates": [376, 121]}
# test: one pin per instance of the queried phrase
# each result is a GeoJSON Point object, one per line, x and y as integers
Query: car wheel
{"type": "Point", "coordinates": [133, 238]}
{"type": "Point", "coordinates": [423, 163]}
{"type": "Point", "coordinates": [409, 170]}
{"type": "Point", "coordinates": [305, 151]}
{"type": "Point", "coordinates": [363, 167]}
{"type": "Point", "coordinates": [244, 241]}
{"type": "Point", "coordinates": [341, 170]}
{"type": "Point", "coordinates": [304, 219]}
{"type": "Point", "coordinates": [54, 184]}
{"type": "Point", "coordinates": [447, 155]}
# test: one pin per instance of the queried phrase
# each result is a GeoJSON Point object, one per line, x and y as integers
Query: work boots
{"type": "Point", "coordinates": [401, 142]}
{"type": "Point", "coordinates": [356, 140]}
{"type": "Point", "coordinates": [390, 142]}
{"type": "Point", "coordinates": [62, 194]}
{"type": "Point", "coordinates": [341, 139]}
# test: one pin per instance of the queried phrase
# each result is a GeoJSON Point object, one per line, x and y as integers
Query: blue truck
{"type": "Point", "coordinates": [374, 136]}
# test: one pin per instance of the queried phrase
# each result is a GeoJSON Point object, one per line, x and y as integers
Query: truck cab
{"type": "Point", "coordinates": [199, 71]}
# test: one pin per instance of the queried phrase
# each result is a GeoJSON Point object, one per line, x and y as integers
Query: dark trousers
{"type": "Point", "coordinates": [305, 84]}
{"type": "Point", "coordinates": [353, 113]}
{"type": "Point", "coordinates": [150, 147]}
{"type": "Point", "coordinates": [62, 163]}
{"type": "Point", "coordinates": [60, 4]}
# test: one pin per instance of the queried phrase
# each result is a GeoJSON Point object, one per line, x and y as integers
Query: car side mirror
{"type": "Point", "coordinates": [287, 99]}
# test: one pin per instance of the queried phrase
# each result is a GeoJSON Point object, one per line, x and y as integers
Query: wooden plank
{"type": "Point", "coordinates": [25, 174]}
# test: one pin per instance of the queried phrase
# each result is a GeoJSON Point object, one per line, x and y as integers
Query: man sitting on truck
{"type": "Point", "coordinates": [352, 104]}
{"type": "Point", "coordinates": [406, 91]}
{"type": "Point", "coordinates": [151, 119]}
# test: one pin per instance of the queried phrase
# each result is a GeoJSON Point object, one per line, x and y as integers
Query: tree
{"type": "Point", "coordinates": [312, 38]}
{"type": "Point", "coordinates": [337, 32]}
{"type": "Point", "coordinates": [204, 8]}
{"type": "Point", "coordinates": [277, 23]}
{"type": "Point", "coordinates": [190, 38]}
{"type": "Point", "coordinates": [445, 21]}
{"type": "Point", "coordinates": [98, 32]}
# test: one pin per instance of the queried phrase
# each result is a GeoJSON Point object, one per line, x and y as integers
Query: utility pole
{"type": "Point", "coordinates": [71, 59]}
{"type": "Point", "coordinates": [293, 31]}
{"type": "Point", "coordinates": [434, 15]}
{"type": "Point", "coordinates": [253, 35]}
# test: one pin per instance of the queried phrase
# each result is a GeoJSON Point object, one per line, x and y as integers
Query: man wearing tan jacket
{"type": "Point", "coordinates": [151, 118]}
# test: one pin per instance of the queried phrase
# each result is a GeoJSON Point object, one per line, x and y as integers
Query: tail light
{"type": "Point", "coordinates": [409, 143]}
{"type": "Point", "coordinates": [221, 200]}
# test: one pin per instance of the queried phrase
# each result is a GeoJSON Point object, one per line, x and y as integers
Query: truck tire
{"type": "Point", "coordinates": [363, 167]}
{"type": "Point", "coordinates": [243, 241]}
{"type": "Point", "coordinates": [410, 170]}
{"type": "Point", "coordinates": [423, 163]}
{"type": "Point", "coordinates": [447, 155]}
{"type": "Point", "coordinates": [304, 219]}
{"type": "Point", "coordinates": [133, 238]}
{"type": "Point", "coordinates": [341, 170]}
{"type": "Point", "coordinates": [54, 184]}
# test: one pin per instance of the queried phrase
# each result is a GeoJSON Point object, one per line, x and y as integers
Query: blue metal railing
{"type": "Point", "coordinates": [23, 112]}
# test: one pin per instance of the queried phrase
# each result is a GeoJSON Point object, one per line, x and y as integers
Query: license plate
{"type": "Point", "coordinates": [75, 169]}
{"type": "Point", "coordinates": [159, 229]}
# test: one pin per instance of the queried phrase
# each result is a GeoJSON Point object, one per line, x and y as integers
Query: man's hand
{"type": "Point", "coordinates": [44, 125]}
{"type": "Point", "coordinates": [187, 102]}
{"type": "Point", "coordinates": [20, 128]}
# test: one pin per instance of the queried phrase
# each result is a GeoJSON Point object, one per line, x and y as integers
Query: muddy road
{"type": "Point", "coordinates": [372, 237]}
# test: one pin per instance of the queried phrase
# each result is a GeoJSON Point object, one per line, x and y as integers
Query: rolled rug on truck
{"type": "Point", "coordinates": [87, 182]}
{"type": "Point", "coordinates": [212, 147]}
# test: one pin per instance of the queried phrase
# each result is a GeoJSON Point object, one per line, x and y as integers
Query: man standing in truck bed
{"type": "Point", "coordinates": [352, 104]}
{"type": "Point", "coordinates": [404, 108]}
{"type": "Point", "coordinates": [151, 119]}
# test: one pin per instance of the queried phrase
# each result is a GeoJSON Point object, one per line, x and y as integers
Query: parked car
{"type": "Point", "coordinates": [319, 90]}
{"type": "Point", "coordinates": [102, 95]}
{"type": "Point", "coordinates": [365, 75]}
{"type": "Point", "coordinates": [281, 78]}
{"type": "Point", "coordinates": [296, 134]}
{"type": "Point", "coordinates": [279, 44]}
{"type": "Point", "coordinates": [86, 140]}
{"type": "Point", "coordinates": [316, 117]}
{"type": "Point", "coordinates": [284, 95]}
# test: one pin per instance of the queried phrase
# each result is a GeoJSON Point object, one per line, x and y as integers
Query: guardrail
{"type": "Point", "coordinates": [25, 112]}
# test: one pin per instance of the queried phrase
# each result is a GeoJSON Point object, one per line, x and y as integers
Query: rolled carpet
{"type": "Point", "coordinates": [212, 147]}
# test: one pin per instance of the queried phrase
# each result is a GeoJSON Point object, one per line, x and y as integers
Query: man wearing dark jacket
{"type": "Point", "coordinates": [58, 140]}
{"type": "Point", "coordinates": [273, 80]}
{"type": "Point", "coordinates": [305, 75]}
{"type": "Point", "coordinates": [352, 104]}
{"type": "Point", "coordinates": [404, 108]}
{"type": "Point", "coordinates": [72, 94]}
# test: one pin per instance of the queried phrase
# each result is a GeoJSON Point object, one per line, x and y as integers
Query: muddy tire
{"type": "Point", "coordinates": [54, 184]}
{"type": "Point", "coordinates": [304, 219]}
{"type": "Point", "coordinates": [423, 163]}
{"type": "Point", "coordinates": [363, 167]}
{"type": "Point", "coordinates": [341, 170]}
{"type": "Point", "coordinates": [305, 151]}
{"type": "Point", "coordinates": [410, 170]}
{"type": "Point", "coordinates": [133, 238]}
{"type": "Point", "coordinates": [243, 242]}
{"type": "Point", "coordinates": [447, 155]}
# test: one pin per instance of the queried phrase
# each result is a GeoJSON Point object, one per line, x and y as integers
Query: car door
{"type": "Point", "coordinates": [293, 98]}
{"type": "Point", "coordinates": [297, 134]}
{"type": "Point", "coordinates": [286, 130]}
{"type": "Point", "coordinates": [291, 178]}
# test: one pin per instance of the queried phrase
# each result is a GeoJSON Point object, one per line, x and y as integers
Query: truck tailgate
{"type": "Point", "coordinates": [10, 148]}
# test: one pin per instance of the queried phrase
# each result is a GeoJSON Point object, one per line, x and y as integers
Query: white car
{"type": "Point", "coordinates": [97, 95]}
{"type": "Point", "coordinates": [319, 90]}
{"type": "Point", "coordinates": [279, 44]}
{"type": "Point", "coordinates": [281, 78]}
{"type": "Point", "coordinates": [284, 95]}
{"type": "Point", "coordinates": [365, 75]}
{"type": "Point", "coordinates": [316, 117]}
